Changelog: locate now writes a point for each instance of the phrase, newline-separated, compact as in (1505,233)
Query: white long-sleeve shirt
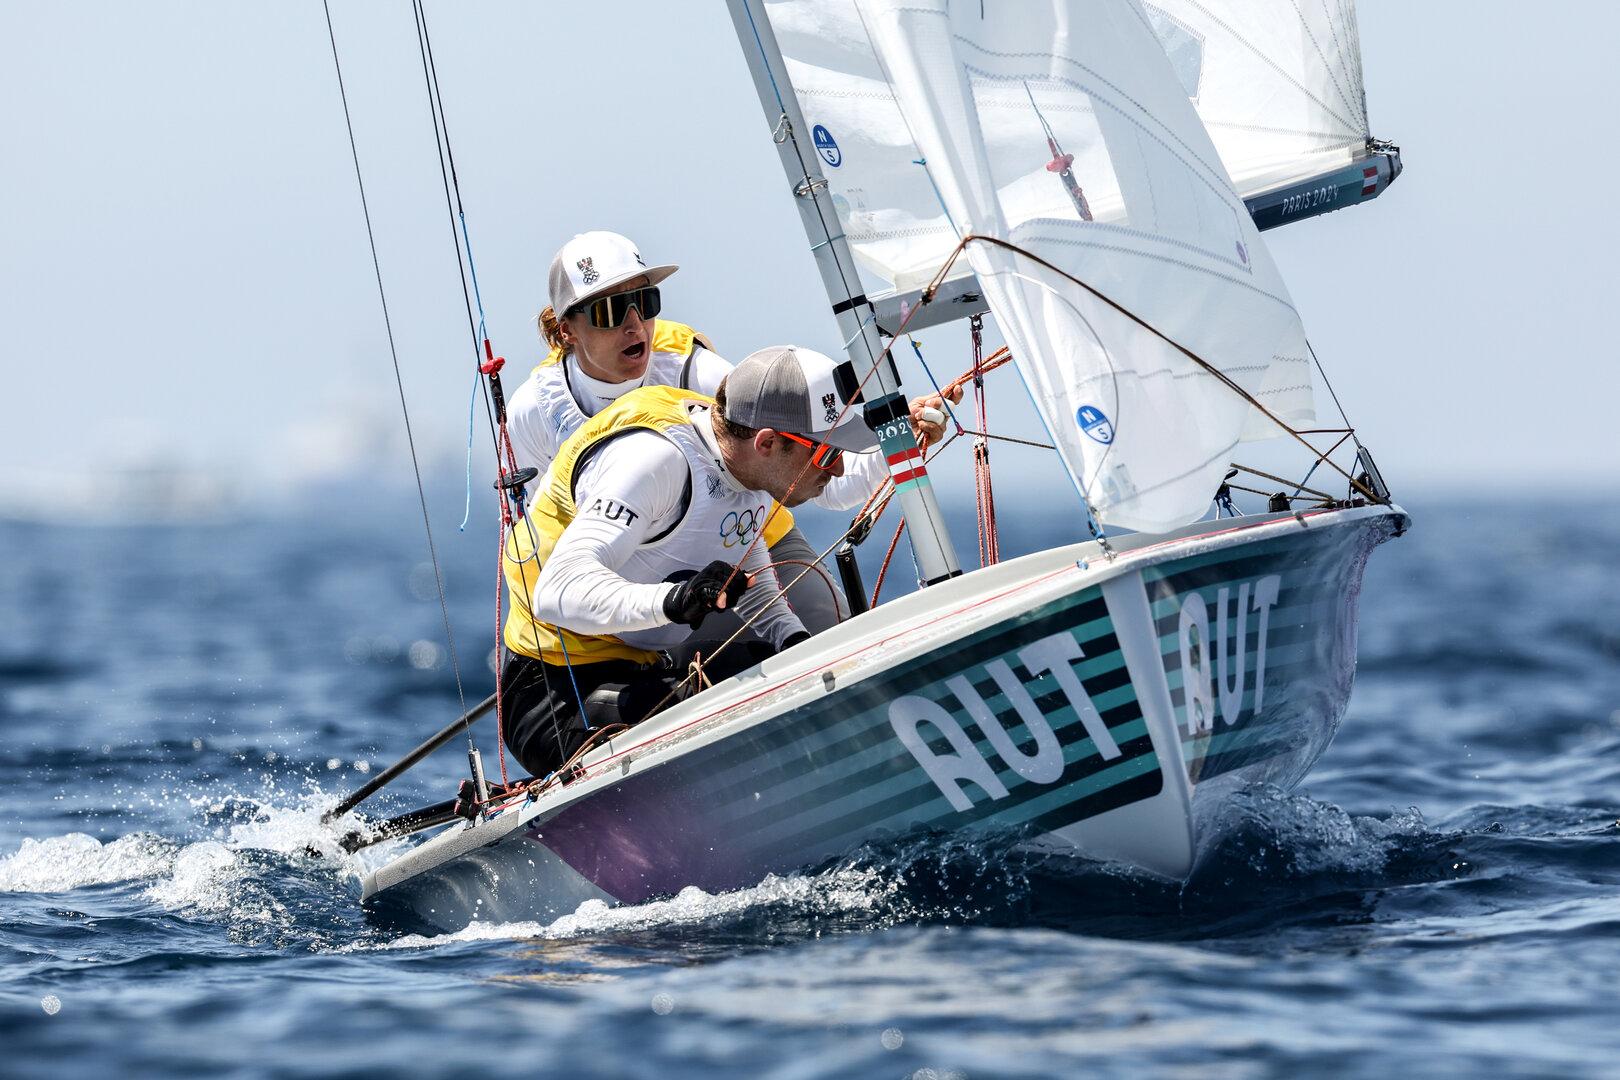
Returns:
(654,504)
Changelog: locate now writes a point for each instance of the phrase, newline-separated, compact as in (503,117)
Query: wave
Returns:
(1269,851)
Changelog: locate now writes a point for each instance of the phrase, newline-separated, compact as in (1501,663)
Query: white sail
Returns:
(1063,130)
(1276,82)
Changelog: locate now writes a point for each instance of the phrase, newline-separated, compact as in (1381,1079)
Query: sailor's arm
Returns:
(763,606)
(862,475)
(627,493)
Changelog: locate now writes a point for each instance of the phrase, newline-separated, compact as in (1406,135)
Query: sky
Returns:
(185,282)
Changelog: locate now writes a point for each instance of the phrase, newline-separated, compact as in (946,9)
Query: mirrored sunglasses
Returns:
(824,456)
(606,312)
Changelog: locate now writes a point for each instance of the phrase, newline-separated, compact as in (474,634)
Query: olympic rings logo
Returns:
(741,526)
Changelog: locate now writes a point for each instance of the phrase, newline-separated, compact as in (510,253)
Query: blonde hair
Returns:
(551,330)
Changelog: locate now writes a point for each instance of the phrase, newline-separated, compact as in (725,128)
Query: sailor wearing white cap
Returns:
(606,341)
(646,524)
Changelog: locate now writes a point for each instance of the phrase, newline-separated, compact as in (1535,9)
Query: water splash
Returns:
(843,892)
(61,864)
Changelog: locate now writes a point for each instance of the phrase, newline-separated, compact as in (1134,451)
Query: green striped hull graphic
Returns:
(819,780)
(1240,668)
(1307,641)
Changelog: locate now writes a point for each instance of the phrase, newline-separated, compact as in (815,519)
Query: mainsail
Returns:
(1062,130)
(1277,82)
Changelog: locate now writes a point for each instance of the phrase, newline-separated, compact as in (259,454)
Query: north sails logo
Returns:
(1094,422)
(587,271)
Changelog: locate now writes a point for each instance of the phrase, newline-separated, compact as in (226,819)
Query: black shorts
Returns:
(541,708)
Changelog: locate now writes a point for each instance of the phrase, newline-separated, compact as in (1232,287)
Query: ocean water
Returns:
(177,704)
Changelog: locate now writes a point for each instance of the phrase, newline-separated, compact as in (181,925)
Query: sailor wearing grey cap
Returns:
(648,522)
(605,341)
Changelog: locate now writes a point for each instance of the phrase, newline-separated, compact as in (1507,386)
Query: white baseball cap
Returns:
(594,263)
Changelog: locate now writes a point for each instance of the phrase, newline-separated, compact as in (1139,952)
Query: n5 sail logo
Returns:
(827,146)
(1094,422)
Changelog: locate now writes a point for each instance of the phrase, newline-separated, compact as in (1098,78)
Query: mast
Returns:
(889,414)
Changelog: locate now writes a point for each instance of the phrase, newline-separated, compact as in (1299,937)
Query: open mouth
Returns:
(636,351)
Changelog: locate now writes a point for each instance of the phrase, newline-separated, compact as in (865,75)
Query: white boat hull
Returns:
(1103,705)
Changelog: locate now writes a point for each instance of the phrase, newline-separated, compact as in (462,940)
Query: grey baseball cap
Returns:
(791,388)
(594,263)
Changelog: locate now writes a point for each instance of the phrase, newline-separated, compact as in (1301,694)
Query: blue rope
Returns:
(466,240)
(748,8)
(939,197)
(1307,479)
(472,401)
(483,335)
(578,697)
(943,400)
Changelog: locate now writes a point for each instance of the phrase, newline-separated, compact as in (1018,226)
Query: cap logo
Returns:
(587,271)
(830,404)
(639,263)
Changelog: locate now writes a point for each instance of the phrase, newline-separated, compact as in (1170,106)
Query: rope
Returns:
(826,577)
(883,571)
(484,359)
(984,493)
(1219,375)
(399,381)
(451,183)
(1280,480)
(917,348)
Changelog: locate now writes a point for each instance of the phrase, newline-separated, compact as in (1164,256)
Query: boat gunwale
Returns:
(457,840)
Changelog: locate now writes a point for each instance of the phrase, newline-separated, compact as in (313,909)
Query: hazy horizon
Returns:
(187,286)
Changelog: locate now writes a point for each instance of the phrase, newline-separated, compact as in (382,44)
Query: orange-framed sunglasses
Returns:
(823,456)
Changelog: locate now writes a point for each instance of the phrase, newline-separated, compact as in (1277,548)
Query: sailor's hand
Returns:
(928,416)
(714,588)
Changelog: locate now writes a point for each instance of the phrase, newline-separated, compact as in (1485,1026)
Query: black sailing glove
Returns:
(692,599)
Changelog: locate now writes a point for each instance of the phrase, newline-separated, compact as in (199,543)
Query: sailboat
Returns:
(1093,175)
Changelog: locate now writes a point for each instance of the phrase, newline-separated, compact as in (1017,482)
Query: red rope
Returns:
(877,588)
(504,442)
(989,542)
(826,577)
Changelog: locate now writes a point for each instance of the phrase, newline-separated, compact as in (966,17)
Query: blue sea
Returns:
(178,704)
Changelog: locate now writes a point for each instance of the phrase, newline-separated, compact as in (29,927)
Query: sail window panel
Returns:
(1147,217)
(891,216)
(1276,82)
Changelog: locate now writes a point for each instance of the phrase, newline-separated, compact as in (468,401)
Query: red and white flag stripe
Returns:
(1369,180)
(906,465)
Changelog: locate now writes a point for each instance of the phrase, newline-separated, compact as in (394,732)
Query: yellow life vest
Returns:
(679,340)
(552,509)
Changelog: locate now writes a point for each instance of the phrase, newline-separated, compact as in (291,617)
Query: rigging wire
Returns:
(452,195)
(485,362)
(1219,375)
(848,276)
(399,381)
